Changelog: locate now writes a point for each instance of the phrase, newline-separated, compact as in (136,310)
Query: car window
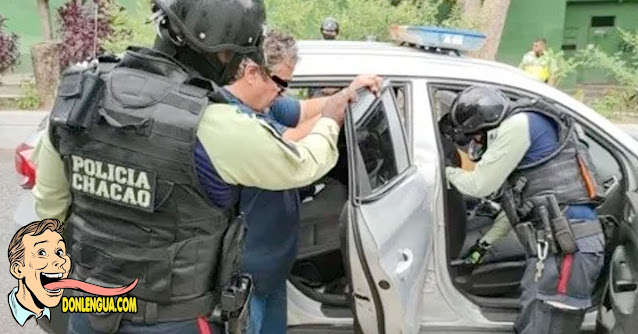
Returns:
(381,144)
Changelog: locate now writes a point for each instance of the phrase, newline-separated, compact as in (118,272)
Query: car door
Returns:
(620,312)
(389,221)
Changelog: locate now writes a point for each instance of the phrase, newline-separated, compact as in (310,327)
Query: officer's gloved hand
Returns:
(476,253)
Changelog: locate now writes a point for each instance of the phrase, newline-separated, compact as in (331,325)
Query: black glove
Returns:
(476,252)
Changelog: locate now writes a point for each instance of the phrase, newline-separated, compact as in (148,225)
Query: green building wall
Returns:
(566,24)
(527,20)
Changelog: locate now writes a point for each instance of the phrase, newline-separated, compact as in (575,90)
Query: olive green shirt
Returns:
(244,150)
(506,147)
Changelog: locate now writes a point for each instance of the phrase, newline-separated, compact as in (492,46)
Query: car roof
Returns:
(349,58)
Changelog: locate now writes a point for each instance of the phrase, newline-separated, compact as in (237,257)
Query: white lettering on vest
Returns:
(144,198)
(116,192)
(78,163)
(89,167)
(142,181)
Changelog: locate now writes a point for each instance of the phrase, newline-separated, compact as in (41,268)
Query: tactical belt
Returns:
(586,229)
(152,313)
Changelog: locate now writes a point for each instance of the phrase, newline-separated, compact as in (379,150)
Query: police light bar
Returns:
(438,38)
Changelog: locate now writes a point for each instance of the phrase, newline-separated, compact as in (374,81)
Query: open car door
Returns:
(389,220)
(619,312)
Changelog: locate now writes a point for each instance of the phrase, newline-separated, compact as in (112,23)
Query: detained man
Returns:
(273,216)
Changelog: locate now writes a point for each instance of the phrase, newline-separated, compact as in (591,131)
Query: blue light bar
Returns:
(435,37)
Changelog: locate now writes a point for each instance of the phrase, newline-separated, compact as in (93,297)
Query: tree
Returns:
(44,56)
(489,17)
(45,19)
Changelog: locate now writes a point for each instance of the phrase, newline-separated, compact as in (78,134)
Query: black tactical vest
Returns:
(127,133)
(561,173)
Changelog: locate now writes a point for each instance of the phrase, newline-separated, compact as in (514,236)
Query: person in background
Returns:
(329,28)
(537,64)
(273,216)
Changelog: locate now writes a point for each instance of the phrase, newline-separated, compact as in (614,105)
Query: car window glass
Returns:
(375,142)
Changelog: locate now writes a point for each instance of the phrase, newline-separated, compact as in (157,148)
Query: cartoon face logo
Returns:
(45,262)
(38,260)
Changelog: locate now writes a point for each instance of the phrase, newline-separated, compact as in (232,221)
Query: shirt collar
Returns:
(20,313)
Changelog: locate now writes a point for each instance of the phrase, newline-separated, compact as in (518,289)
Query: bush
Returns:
(8,48)
(129,27)
(84,24)
(358,19)
(624,67)
(29,99)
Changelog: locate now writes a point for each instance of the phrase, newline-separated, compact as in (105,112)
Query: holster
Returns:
(236,287)
(556,228)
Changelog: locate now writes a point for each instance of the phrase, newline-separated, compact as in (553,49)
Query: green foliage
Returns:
(560,65)
(624,67)
(358,19)
(129,27)
(29,99)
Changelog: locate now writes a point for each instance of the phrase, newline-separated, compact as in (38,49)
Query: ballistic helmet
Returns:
(479,108)
(194,32)
(330,24)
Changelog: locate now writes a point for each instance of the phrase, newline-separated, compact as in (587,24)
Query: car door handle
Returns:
(405,262)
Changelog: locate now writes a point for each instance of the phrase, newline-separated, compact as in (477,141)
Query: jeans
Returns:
(79,324)
(268,312)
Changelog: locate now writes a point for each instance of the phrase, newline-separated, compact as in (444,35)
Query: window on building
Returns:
(603,21)
(568,47)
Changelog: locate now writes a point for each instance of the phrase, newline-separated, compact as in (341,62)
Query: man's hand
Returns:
(372,82)
(336,106)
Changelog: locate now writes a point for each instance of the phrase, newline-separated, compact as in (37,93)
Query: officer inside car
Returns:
(144,160)
(536,157)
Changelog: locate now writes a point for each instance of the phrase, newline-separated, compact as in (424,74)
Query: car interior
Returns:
(319,271)
(494,284)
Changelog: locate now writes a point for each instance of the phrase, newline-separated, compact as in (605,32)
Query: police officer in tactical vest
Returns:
(144,161)
(535,154)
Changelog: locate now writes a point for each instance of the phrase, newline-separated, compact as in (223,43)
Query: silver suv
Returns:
(378,246)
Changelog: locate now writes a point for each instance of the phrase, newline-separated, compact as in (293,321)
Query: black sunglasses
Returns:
(281,83)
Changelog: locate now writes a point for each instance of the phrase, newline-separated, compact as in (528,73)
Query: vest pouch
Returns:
(563,235)
(78,98)
(526,233)
(122,121)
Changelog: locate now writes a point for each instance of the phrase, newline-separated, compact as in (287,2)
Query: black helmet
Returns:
(479,108)
(330,24)
(194,31)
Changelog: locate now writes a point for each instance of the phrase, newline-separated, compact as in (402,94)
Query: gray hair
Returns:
(278,47)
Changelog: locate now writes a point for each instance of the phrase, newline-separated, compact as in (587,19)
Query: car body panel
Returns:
(392,246)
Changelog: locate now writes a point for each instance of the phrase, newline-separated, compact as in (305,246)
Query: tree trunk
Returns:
(45,18)
(493,13)
(46,70)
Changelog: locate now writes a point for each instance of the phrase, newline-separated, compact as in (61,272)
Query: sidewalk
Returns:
(17,125)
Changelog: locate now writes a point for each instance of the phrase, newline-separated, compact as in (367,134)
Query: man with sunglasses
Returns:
(273,216)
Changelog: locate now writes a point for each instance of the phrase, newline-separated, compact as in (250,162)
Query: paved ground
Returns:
(9,191)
